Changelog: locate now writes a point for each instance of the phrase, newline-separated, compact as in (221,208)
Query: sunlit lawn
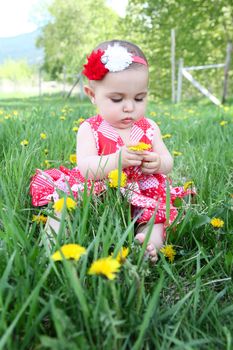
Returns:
(186,304)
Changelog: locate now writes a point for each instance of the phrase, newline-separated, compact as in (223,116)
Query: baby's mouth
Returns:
(127,119)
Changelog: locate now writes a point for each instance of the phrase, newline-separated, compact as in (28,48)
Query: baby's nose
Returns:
(128,106)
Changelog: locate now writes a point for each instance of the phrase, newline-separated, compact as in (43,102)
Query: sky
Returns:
(16,15)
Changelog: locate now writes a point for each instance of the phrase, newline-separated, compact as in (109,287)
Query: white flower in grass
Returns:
(116,58)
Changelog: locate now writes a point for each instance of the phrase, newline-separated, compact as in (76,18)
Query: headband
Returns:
(114,59)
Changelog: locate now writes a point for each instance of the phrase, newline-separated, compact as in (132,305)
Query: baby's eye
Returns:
(116,100)
(138,99)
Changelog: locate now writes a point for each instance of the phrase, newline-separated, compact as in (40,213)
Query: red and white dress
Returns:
(145,193)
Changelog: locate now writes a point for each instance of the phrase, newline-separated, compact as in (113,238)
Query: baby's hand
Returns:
(131,158)
(151,163)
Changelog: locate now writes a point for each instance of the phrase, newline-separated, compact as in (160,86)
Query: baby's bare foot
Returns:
(150,249)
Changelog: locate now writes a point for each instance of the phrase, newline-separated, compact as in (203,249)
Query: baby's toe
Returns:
(150,247)
(154,258)
(140,237)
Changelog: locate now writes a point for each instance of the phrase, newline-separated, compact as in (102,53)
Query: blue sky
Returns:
(16,16)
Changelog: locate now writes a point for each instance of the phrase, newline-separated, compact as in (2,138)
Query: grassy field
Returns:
(186,304)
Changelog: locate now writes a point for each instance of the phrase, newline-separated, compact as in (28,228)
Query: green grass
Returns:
(184,305)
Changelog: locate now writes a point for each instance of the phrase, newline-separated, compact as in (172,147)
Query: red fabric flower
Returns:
(95,69)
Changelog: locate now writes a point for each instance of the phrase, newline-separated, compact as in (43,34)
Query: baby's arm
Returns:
(160,160)
(93,166)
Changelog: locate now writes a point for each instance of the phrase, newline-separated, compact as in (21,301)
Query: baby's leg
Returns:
(51,228)
(155,241)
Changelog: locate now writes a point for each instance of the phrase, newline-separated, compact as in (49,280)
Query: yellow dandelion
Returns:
(39,219)
(177,153)
(75,129)
(24,143)
(122,255)
(15,113)
(46,151)
(80,120)
(141,146)
(69,251)
(43,136)
(47,163)
(73,158)
(188,184)
(7,116)
(114,178)
(69,203)
(166,136)
(223,123)
(62,117)
(1,111)
(169,252)
(217,223)
(152,114)
(107,267)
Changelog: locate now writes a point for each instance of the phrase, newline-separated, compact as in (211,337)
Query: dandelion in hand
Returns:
(169,252)
(69,251)
(114,178)
(69,203)
(217,223)
(141,146)
(107,267)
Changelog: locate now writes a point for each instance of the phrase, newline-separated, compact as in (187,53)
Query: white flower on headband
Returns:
(116,58)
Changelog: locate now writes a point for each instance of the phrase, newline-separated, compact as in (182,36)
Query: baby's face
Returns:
(121,96)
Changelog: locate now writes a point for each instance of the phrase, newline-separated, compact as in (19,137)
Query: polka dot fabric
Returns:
(145,193)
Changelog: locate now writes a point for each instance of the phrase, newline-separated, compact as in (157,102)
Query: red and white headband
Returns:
(114,59)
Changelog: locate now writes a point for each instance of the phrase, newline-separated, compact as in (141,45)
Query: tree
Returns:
(203,29)
(75,28)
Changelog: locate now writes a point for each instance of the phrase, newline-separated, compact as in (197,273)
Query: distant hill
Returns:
(21,47)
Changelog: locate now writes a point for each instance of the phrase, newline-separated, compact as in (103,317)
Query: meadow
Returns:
(184,304)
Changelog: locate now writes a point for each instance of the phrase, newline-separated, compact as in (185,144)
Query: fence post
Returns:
(226,71)
(179,83)
(173,67)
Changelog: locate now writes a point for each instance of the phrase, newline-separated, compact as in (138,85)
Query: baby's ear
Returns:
(89,92)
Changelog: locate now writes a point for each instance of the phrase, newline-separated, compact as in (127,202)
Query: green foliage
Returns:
(16,70)
(184,305)
(75,29)
(203,29)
